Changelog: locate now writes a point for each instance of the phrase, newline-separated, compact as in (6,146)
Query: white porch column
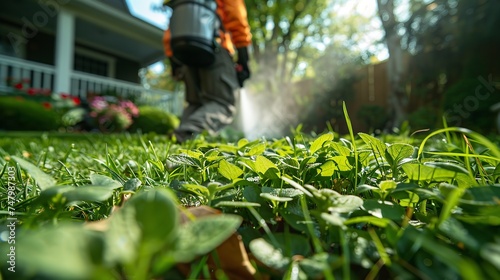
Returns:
(65,42)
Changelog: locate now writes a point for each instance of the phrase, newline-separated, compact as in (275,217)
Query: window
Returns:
(11,42)
(94,63)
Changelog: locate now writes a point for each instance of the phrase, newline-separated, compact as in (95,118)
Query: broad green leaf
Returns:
(406,187)
(242,142)
(196,189)
(377,146)
(315,266)
(43,180)
(491,253)
(395,153)
(485,220)
(266,168)
(132,184)
(70,246)
(248,163)
(420,172)
(88,194)
(467,268)
(105,181)
(72,194)
(387,185)
(297,186)
(327,169)
(184,160)
(384,209)
(290,162)
(448,166)
(282,192)
(407,198)
(453,195)
(229,170)
(345,204)
(242,204)
(340,149)
(275,198)
(295,219)
(320,141)
(122,237)
(291,244)
(364,157)
(257,149)
(365,188)
(457,232)
(225,148)
(203,235)
(333,219)
(483,203)
(191,153)
(485,195)
(213,155)
(342,163)
(329,194)
(157,216)
(251,194)
(268,254)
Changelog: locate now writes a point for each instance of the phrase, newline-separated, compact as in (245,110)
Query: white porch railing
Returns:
(35,75)
(41,76)
(83,84)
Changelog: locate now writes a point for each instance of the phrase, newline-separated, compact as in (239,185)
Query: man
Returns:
(210,90)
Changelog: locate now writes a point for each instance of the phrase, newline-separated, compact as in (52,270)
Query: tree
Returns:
(454,46)
(159,80)
(395,62)
(282,31)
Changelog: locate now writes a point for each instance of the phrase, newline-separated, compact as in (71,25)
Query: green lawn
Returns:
(305,207)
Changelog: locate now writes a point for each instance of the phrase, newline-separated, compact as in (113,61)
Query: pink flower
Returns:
(98,103)
(130,107)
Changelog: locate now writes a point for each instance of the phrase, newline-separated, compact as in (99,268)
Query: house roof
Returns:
(105,25)
(117,29)
(117,4)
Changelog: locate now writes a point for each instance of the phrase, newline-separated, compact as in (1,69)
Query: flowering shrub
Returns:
(60,102)
(110,115)
(104,113)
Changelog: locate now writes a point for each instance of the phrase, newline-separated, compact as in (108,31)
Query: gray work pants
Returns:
(210,94)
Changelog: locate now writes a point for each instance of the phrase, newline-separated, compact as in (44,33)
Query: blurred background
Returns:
(396,63)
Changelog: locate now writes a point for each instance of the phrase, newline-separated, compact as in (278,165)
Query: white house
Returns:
(79,46)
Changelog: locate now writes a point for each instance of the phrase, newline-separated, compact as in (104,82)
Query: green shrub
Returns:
(468,103)
(25,115)
(373,116)
(423,118)
(152,119)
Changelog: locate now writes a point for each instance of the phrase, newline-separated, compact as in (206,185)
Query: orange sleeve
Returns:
(235,21)
(166,43)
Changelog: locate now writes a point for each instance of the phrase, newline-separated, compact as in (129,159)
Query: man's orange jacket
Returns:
(233,14)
